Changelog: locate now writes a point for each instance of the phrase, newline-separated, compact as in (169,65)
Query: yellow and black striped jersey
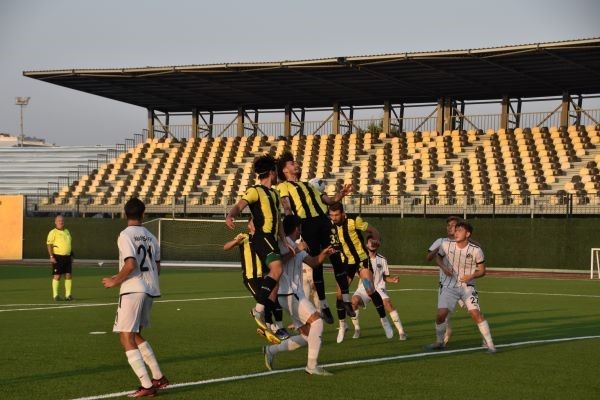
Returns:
(349,234)
(251,265)
(264,206)
(305,199)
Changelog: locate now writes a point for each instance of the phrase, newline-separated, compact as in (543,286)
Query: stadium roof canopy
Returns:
(533,70)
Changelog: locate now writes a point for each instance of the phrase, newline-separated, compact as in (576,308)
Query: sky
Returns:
(66,34)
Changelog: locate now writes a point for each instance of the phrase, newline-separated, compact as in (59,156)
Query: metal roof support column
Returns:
(448,115)
(195,123)
(564,110)
(255,124)
(504,112)
(400,117)
(287,122)
(517,114)
(444,115)
(336,118)
(240,122)
(578,110)
(461,117)
(150,123)
(167,122)
(386,117)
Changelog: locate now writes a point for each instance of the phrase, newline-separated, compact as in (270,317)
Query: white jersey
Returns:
(291,278)
(436,245)
(380,270)
(462,261)
(137,242)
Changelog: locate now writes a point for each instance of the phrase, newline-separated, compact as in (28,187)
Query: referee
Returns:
(61,257)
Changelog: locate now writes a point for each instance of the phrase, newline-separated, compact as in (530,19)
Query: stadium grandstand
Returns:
(27,170)
(449,161)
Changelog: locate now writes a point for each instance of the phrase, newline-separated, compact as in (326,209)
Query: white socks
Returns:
(291,344)
(355,320)
(396,320)
(136,361)
(484,328)
(150,359)
(440,331)
(314,342)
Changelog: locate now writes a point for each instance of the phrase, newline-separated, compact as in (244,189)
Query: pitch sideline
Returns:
(345,363)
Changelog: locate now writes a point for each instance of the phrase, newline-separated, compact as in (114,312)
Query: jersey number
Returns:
(142,249)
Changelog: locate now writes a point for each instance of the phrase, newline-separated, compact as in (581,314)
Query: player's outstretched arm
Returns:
(391,279)
(233,243)
(234,212)
(318,260)
(346,190)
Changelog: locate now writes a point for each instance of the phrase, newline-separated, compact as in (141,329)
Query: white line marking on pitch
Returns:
(55,307)
(515,293)
(339,364)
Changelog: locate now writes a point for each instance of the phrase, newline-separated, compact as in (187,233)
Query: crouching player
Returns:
(292,299)
(381,275)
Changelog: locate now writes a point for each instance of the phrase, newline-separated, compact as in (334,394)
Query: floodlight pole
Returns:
(22,102)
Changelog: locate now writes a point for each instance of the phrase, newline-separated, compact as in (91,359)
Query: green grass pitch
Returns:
(202,331)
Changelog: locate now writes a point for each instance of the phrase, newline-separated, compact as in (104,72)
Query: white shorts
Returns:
(300,309)
(448,297)
(133,312)
(307,280)
(364,296)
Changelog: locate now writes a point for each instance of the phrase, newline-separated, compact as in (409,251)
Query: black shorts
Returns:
(318,233)
(63,265)
(253,286)
(266,247)
(352,269)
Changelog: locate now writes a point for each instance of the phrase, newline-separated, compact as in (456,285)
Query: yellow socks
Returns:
(55,284)
(68,284)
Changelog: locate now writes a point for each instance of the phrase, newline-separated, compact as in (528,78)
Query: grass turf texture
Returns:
(50,353)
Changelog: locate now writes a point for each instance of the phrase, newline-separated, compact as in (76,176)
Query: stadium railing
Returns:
(374,125)
(558,204)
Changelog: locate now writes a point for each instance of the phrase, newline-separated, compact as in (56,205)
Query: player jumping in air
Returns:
(305,201)
(263,202)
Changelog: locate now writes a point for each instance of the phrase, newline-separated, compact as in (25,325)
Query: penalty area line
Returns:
(345,363)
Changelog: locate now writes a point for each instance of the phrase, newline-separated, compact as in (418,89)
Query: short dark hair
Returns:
(263,165)
(370,237)
(290,223)
(468,227)
(453,218)
(337,207)
(281,161)
(134,209)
